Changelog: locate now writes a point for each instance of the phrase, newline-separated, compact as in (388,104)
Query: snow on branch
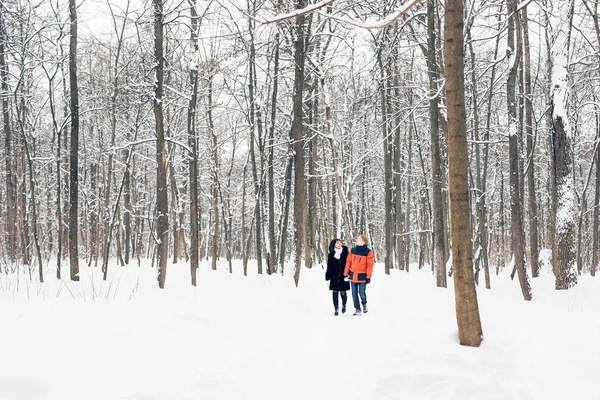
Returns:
(390,19)
(285,16)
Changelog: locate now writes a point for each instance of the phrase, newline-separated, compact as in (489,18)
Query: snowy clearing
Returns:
(259,337)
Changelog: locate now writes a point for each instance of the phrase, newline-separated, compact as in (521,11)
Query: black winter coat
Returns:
(335,269)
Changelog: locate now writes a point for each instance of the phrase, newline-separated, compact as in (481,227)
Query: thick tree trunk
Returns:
(298,141)
(530,171)
(162,203)
(467,310)
(439,242)
(193,143)
(595,234)
(270,162)
(74,148)
(11,209)
(399,245)
(406,241)
(516,207)
(563,251)
(388,183)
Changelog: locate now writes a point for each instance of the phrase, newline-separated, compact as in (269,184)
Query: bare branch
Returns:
(387,21)
(282,17)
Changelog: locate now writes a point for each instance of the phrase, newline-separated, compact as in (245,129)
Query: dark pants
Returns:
(359,288)
(335,298)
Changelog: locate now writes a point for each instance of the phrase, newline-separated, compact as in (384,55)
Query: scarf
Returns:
(337,253)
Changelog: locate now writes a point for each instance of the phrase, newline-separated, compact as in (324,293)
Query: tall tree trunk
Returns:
(439,243)
(162,202)
(271,159)
(596,228)
(406,242)
(467,309)
(530,171)
(193,143)
(11,209)
(515,183)
(396,177)
(215,172)
(388,228)
(255,176)
(74,148)
(488,127)
(563,252)
(298,140)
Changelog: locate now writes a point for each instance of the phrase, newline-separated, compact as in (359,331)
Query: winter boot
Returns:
(365,310)
(344,309)
(357,313)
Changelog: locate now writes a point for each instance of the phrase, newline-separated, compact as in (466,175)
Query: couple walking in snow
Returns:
(345,269)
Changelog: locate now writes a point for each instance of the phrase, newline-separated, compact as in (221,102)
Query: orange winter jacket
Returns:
(359,264)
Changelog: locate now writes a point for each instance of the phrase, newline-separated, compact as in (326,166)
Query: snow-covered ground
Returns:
(259,337)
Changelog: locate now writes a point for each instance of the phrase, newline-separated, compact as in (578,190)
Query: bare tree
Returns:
(74,148)
(467,309)
(298,138)
(516,207)
(563,252)
(193,142)
(162,204)
(439,243)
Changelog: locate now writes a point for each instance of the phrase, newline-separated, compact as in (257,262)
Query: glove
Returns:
(368,280)
(346,278)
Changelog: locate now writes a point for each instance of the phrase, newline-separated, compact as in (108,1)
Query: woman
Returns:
(336,261)
(359,267)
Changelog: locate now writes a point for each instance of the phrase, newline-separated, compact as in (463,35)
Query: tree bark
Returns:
(388,183)
(595,234)
(162,203)
(11,209)
(563,251)
(193,143)
(467,310)
(515,183)
(252,118)
(530,170)
(298,141)
(74,148)
(439,243)
(271,158)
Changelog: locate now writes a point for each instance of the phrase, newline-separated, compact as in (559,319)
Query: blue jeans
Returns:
(359,288)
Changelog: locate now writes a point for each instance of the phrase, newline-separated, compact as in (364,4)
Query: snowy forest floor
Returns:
(259,337)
